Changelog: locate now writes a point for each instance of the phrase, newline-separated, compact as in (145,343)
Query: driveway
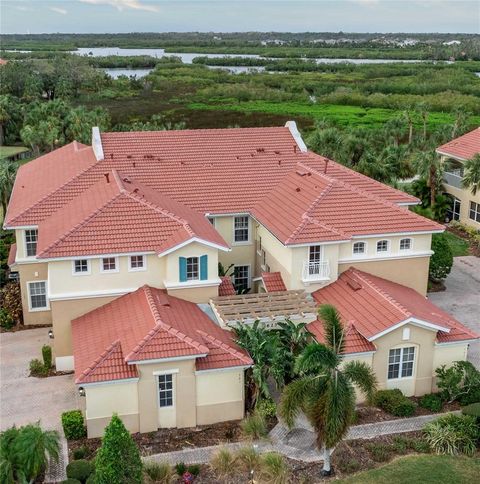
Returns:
(25,399)
(462,298)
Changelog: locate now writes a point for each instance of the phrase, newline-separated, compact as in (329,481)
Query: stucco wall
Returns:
(31,273)
(409,272)
(423,340)
(366,358)
(465,197)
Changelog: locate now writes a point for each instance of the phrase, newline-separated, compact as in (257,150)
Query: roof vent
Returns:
(354,284)
(326,165)
(294,148)
(129,156)
(127,180)
(260,150)
(302,172)
(107,177)
(297,189)
(162,299)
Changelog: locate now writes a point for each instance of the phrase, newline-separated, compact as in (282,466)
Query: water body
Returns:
(121,71)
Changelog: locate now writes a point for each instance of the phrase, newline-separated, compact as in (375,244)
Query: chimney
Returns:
(107,177)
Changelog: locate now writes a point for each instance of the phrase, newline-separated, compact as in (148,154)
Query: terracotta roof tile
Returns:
(226,287)
(143,325)
(463,147)
(273,281)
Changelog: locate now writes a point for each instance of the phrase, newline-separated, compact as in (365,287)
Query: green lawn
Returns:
(458,245)
(421,469)
(6,151)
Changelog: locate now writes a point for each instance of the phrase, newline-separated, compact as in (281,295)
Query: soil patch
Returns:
(23,327)
(436,286)
(473,249)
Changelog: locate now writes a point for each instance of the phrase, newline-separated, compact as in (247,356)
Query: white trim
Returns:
(64,363)
(108,382)
(249,228)
(333,242)
(406,255)
(415,322)
(395,234)
(28,260)
(363,353)
(455,157)
(194,239)
(84,295)
(166,372)
(292,127)
(360,254)
(173,390)
(87,273)
(137,269)
(37,310)
(249,274)
(405,251)
(20,227)
(193,283)
(97,143)
(389,246)
(453,343)
(166,360)
(402,347)
(222,370)
(407,204)
(26,256)
(99,256)
(110,271)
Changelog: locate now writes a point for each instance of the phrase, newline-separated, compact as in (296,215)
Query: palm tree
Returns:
(428,166)
(471,177)
(8,170)
(324,390)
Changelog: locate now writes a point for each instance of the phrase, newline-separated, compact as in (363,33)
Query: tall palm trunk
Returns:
(327,466)
(433,185)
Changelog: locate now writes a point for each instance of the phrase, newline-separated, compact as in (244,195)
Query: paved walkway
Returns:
(298,443)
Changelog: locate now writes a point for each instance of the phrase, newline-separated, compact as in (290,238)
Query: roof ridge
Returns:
(380,291)
(81,223)
(193,130)
(225,346)
(63,185)
(101,358)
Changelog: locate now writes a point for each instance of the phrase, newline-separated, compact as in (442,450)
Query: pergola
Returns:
(270,308)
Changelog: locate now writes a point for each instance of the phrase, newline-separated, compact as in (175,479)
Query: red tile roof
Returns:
(226,287)
(273,281)
(463,147)
(117,215)
(322,208)
(12,253)
(144,325)
(374,305)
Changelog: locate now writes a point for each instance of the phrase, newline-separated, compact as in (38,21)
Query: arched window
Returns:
(382,246)
(405,244)
(359,248)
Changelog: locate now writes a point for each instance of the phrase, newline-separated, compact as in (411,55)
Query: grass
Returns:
(458,245)
(6,151)
(427,469)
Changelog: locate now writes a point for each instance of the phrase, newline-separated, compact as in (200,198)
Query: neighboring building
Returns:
(465,206)
(159,211)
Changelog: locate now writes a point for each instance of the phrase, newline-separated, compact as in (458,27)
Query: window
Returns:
(259,246)
(81,266)
(400,362)
(315,253)
(453,211)
(31,237)
(192,268)
(264,258)
(405,244)
(38,295)
(359,248)
(241,278)
(382,246)
(475,211)
(109,264)
(211,220)
(137,262)
(165,390)
(241,232)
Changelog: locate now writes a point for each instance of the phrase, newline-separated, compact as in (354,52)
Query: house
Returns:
(118,246)
(465,205)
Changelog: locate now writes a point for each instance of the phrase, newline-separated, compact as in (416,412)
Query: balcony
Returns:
(315,271)
(453,177)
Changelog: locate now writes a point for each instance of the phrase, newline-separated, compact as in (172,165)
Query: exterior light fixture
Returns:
(50,334)
(81,391)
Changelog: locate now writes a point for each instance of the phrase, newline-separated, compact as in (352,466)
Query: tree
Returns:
(327,142)
(324,390)
(8,170)
(118,459)
(471,177)
(26,451)
(428,166)
(442,259)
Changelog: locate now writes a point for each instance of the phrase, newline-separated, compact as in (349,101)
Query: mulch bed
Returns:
(52,372)
(23,327)
(436,286)
(366,415)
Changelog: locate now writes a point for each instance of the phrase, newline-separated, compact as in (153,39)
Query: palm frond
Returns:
(295,398)
(334,333)
(316,358)
(363,376)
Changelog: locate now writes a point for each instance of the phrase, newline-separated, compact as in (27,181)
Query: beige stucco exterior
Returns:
(465,196)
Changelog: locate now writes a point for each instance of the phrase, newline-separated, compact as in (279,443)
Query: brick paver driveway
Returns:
(25,399)
(462,298)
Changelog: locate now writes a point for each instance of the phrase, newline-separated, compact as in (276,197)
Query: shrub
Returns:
(432,402)
(394,402)
(160,472)
(379,452)
(459,382)
(79,469)
(267,408)
(180,468)
(118,459)
(442,259)
(71,481)
(248,458)
(453,434)
(11,300)
(6,320)
(348,466)
(473,409)
(274,469)
(47,356)
(420,445)
(80,452)
(73,425)
(91,478)
(37,368)
(404,408)
(194,469)
(222,462)
(254,426)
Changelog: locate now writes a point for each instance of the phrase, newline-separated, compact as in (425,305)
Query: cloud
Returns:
(120,5)
(59,10)
(23,9)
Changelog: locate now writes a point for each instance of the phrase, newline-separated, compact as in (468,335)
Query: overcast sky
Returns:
(96,16)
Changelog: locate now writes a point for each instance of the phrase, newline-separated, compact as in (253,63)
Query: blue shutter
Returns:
(204,267)
(182,268)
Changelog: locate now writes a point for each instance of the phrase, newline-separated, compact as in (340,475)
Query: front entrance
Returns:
(166,400)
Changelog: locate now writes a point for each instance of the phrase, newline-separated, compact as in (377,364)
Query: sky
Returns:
(109,16)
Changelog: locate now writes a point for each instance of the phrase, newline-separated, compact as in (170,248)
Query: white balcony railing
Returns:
(316,271)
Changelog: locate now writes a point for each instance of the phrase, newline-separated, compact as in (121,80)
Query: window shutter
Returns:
(182,270)
(204,267)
